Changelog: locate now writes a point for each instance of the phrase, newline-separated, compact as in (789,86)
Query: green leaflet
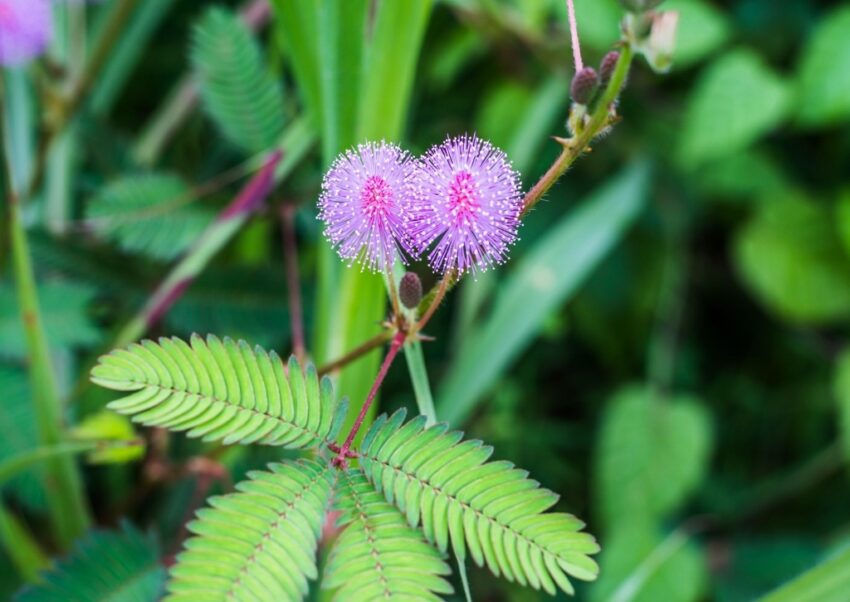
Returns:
(240,95)
(106,566)
(378,555)
(827,582)
(259,543)
(824,75)
(221,390)
(489,508)
(148,213)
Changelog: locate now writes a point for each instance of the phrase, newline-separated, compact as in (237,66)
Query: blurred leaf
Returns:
(18,434)
(64,311)
(736,100)
(18,133)
(748,175)
(827,582)
(679,575)
(239,93)
(702,30)
(841,386)
(498,110)
(108,426)
(652,454)
(148,213)
(824,73)
(105,566)
(599,22)
(790,256)
(546,276)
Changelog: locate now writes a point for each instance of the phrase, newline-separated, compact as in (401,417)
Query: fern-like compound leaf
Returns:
(259,543)
(239,92)
(490,509)
(378,556)
(222,391)
(106,566)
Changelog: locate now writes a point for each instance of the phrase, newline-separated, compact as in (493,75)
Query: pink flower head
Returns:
(468,202)
(25,30)
(365,202)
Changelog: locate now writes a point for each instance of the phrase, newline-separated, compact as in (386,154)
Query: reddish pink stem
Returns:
(345,451)
(571,13)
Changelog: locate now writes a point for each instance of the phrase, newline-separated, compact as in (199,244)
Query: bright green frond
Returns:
(239,92)
(489,508)
(221,390)
(106,566)
(378,555)
(259,543)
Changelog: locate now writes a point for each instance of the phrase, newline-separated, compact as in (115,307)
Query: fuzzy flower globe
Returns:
(467,205)
(25,30)
(365,203)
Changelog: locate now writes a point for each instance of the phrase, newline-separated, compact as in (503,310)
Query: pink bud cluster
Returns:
(459,205)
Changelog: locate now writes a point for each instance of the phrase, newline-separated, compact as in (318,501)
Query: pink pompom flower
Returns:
(26,27)
(467,205)
(365,201)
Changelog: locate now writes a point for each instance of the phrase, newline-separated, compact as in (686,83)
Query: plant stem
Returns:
(356,353)
(395,346)
(435,303)
(571,14)
(23,549)
(293,282)
(419,378)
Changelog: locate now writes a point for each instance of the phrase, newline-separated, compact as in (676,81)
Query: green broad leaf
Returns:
(823,78)
(17,435)
(488,510)
(702,29)
(652,455)
(64,309)
(552,270)
(841,386)
(378,555)
(239,93)
(153,214)
(106,566)
(748,175)
(259,543)
(736,101)
(641,564)
(221,391)
(827,582)
(600,22)
(790,256)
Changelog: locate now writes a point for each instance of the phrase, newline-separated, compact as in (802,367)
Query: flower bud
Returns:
(607,67)
(410,290)
(662,40)
(584,85)
(640,6)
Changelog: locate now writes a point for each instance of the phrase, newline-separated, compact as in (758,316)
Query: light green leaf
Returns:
(652,455)
(790,257)
(238,91)
(841,386)
(148,213)
(599,21)
(107,566)
(552,270)
(824,75)
(702,29)
(827,582)
(736,100)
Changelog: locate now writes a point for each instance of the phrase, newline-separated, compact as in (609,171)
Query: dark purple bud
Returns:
(584,85)
(607,67)
(410,290)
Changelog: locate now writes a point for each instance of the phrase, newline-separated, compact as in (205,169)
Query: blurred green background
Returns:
(666,347)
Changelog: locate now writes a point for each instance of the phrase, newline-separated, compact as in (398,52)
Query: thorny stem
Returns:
(356,353)
(571,13)
(293,283)
(344,452)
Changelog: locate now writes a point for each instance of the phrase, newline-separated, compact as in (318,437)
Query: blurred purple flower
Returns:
(365,202)
(25,29)
(468,202)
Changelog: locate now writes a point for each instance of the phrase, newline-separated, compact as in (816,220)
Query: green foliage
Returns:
(652,454)
(259,543)
(64,309)
(824,74)
(378,555)
(106,566)
(790,256)
(827,582)
(148,213)
(540,283)
(736,101)
(841,385)
(221,391)
(239,94)
(488,508)
(18,434)
(702,29)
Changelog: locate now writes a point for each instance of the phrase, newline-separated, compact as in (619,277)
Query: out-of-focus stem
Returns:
(293,281)
(356,353)
(435,303)
(23,550)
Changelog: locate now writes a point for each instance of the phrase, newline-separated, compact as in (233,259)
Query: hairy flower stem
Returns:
(293,282)
(571,14)
(356,353)
(435,303)
(344,452)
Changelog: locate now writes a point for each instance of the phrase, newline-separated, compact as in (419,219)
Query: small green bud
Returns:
(640,6)
(584,85)
(607,67)
(410,290)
